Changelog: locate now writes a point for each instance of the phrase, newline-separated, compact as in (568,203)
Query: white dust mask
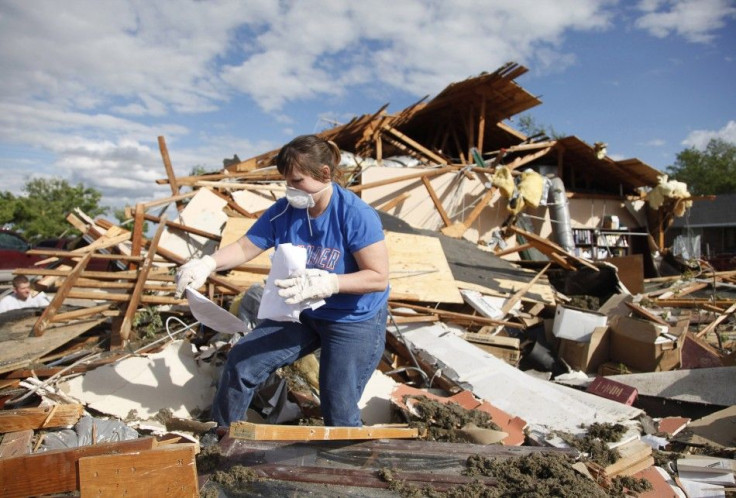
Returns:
(300,199)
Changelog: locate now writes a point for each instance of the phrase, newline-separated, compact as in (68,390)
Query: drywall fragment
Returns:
(139,386)
(544,405)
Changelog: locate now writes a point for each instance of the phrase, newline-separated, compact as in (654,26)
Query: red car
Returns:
(13,255)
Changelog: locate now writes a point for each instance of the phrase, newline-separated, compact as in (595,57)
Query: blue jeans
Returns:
(350,352)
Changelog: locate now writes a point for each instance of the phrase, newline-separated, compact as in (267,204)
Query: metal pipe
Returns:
(560,214)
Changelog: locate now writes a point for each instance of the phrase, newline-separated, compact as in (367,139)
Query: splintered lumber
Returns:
(457,229)
(120,336)
(61,294)
(645,313)
(552,250)
(39,418)
(511,302)
(694,303)
(413,176)
(454,316)
(169,170)
(55,471)
(712,325)
(436,200)
(166,471)
(270,432)
(416,145)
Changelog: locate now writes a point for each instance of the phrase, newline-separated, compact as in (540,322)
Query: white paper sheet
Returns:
(212,315)
(286,260)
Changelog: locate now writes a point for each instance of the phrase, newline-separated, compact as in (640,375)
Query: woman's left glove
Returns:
(312,284)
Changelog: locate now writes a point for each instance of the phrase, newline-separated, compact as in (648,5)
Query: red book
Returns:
(607,388)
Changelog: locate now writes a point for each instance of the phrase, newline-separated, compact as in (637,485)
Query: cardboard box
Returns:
(645,346)
(586,356)
(504,347)
(576,324)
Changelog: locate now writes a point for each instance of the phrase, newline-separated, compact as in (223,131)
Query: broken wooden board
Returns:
(418,269)
(55,471)
(271,432)
(19,353)
(39,418)
(167,471)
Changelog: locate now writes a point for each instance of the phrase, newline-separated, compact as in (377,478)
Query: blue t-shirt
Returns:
(346,226)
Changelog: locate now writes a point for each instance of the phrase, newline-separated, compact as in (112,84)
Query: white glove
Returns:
(312,284)
(194,273)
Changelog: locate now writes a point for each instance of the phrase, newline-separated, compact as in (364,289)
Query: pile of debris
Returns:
(531,321)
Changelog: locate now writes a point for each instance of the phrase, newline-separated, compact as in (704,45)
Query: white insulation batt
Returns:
(544,405)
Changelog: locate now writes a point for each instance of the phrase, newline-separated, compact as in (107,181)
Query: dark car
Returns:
(13,255)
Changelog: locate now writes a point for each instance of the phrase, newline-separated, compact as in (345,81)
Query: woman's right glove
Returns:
(194,273)
(311,284)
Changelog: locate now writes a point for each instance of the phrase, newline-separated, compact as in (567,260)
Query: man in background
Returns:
(21,296)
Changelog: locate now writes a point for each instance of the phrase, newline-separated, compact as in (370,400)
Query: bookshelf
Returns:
(599,243)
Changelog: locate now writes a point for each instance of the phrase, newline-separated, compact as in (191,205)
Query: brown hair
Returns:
(308,153)
(20,279)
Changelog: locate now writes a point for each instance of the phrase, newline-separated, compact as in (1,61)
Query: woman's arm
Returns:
(195,272)
(372,275)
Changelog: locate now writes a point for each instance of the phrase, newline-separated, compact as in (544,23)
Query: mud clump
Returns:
(209,458)
(445,421)
(235,480)
(594,442)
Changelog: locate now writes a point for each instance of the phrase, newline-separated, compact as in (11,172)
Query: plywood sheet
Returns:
(418,269)
(18,353)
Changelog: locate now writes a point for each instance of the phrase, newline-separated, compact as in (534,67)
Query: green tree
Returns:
(531,128)
(42,212)
(710,171)
(8,206)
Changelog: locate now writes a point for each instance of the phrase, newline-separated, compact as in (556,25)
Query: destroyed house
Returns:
(487,231)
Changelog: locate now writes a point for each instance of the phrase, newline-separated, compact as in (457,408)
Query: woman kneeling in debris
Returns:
(347,266)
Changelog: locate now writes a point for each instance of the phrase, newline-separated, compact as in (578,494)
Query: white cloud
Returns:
(695,20)
(700,138)
(94,84)
(417,46)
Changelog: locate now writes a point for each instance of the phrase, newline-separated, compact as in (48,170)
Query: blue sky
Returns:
(88,86)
